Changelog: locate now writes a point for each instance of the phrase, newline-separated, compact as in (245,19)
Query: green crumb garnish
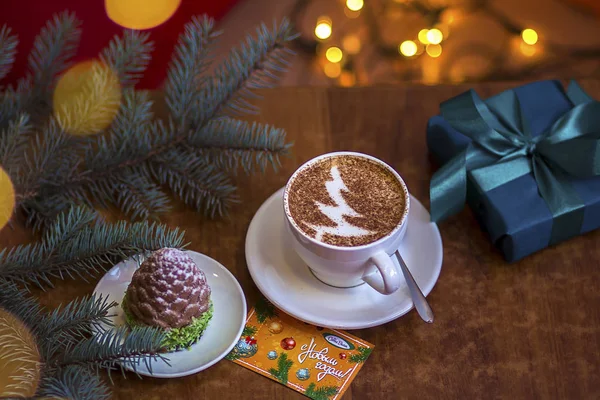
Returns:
(177,338)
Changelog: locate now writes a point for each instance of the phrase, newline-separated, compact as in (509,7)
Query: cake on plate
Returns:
(170,292)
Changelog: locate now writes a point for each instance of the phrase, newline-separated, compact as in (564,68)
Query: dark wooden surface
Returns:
(529,330)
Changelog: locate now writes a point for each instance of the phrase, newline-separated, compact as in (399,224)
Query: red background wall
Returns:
(26,18)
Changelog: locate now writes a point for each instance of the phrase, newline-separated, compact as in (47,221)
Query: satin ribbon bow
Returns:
(502,149)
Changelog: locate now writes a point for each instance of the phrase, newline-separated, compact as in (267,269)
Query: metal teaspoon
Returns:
(415,292)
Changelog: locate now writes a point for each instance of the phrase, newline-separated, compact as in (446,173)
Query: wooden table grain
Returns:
(529,330)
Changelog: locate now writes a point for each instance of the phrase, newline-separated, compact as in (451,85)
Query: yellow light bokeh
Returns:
(529,36)
(408,48)
(20,361)
(435,36)
(351,44)
(87,98)
(355,5)
(351,14)
(422,36)
(332,70)
(452,15)
(347,79)
(334,54)
(527,50)
(434,50)
(140,14)
(7,198)
(323,28)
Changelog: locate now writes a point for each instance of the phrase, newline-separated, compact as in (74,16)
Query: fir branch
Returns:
(249,330)
(199,184)
(362,356)
(17,348)
(8,50)
(264,309)
(283,368)
(78,319)
(258,63)
(191,59)
(128,56)
(84,251)
(55,45)
(120,347)
(139,197)
(230,144)
(12,144)
(130,124)
(94,106)
(320,393)
(74,382)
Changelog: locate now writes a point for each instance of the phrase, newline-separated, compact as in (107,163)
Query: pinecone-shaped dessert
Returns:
(170,292)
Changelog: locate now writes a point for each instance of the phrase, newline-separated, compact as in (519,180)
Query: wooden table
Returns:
(523,331)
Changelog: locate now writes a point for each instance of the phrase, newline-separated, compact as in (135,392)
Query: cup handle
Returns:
(389,272)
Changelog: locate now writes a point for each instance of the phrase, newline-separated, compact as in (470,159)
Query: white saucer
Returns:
(286,281)
(219,338)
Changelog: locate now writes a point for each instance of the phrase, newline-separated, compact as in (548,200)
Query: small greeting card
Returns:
(317,362)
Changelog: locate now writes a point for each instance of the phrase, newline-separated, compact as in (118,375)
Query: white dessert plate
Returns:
(219,338)
(286,281)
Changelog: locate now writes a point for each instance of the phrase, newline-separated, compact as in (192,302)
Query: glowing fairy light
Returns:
(140,14)
(87,98)
(7,198)
(323,28)
(529,36)
(527,50)
(334,54)
(347,79)
(408,48)
(422,36)
(434,50)
(332,70)
(355,5)
(351,44)
(435,36)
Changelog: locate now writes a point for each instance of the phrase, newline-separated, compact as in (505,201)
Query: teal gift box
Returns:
(527,161)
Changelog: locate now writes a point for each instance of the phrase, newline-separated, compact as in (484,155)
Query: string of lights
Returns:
(338,44)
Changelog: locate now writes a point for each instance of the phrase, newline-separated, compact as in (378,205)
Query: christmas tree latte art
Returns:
(346,200)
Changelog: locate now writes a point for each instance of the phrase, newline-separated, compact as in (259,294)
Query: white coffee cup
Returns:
(345,267)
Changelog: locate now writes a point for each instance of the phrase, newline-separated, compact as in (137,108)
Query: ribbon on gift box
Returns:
(502,149)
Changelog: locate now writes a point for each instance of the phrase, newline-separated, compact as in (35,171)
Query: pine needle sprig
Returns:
(8,50)
(74,382)
(283,368)
(128,56)
(190,61)
(231,144)
(13,142)
(122,347)
(53,48)
(78,319)
(79,246)
(256,64)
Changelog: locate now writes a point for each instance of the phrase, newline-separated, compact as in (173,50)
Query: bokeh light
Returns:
(7,198)
(527,49)
(351,44)
(355,5)
(87,98)
(435,36)
(332,70)
(20,362)
(434,50)
(140,14)
(408,48)
(347,79)
(422,36)
(351,14)
(334,54)
(323,28)
(529,36)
